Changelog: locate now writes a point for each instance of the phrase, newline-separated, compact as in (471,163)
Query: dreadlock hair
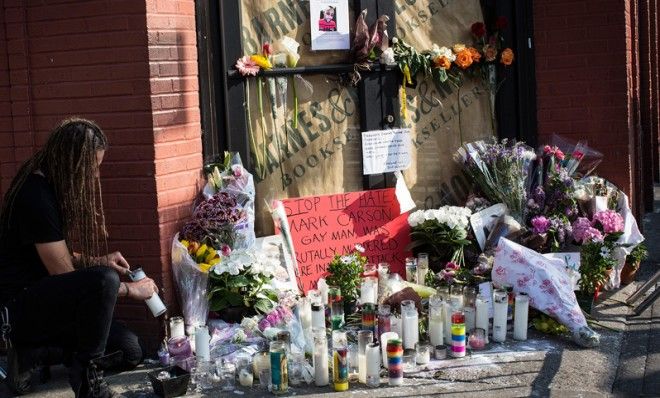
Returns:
(69,163)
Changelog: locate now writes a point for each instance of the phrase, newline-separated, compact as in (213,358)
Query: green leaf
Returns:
(218,304)
(238,281)
(263,305)
(234,298)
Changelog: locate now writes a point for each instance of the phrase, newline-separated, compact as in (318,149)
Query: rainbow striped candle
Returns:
(458,334)
(395,361)
(369,317)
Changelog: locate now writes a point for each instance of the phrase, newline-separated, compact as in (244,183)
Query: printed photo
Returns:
(328,19)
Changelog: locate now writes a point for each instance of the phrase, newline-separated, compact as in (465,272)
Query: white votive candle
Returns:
(500,308)
(446,315)
(177,327)
(520,317)
(482,315)
(245,378)
(373,365)
(410,321)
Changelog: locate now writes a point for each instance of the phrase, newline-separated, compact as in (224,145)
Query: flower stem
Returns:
(260,96)
(295,104)
(253,143)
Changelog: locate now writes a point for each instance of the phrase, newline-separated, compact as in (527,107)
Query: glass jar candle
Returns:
(369,318)
(177,327)
(443,291)
(369,290)
(409,361)
(520,319)
(339,360)
(482,316)
(383,276)
(320,358)
(456,297)
(279,379)
(477,339)
(436,326)
(422,268)
(423,354)
(458,334)
(337,315)
(411,269)
(395,362)
(384,313)
(318,315)
(365,337)
(410,320)
(373,364)
(500,306)
(244,369)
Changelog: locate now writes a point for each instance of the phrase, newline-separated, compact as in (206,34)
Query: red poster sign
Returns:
(324,225)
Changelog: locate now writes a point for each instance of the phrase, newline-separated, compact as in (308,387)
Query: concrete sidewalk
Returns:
(627,363)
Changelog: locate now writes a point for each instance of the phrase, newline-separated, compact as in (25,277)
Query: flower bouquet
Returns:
(242,280)
(443,233)
(501,172)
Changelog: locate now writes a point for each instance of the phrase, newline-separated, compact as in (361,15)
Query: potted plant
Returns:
(344,272)
(633,260)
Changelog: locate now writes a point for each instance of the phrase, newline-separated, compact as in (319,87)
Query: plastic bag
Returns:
(547,284)
(191,284)
(579,158)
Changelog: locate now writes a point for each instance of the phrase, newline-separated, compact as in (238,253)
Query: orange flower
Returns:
(507,57)
(464,59)
(490,52)
(442,62)
(476,56)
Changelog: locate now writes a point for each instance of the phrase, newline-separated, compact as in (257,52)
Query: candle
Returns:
(368,290)
(384,338)
(320,358)
(314,296)
(422,267)
(305,312)
(395,324)
(411,269)
(337,315)
(365,337)
(383,275)
(179,347)
(436,323)
(446,317)
(202,339)
(373,365)
(456,298)
(443,291)
(440,351)
(500,303)
(410,321)
(369,318)
(395,362)
(520,319)
(384,315)
(339,360)
(477,339)
(458,334)
(470,318)
(323,290)
(279,380)
(370,270)
(318,316)
(177,328)
(482,316)
(423,354)
(245,377)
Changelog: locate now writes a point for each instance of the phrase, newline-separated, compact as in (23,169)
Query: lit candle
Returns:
(501,304)
(520,319)
(320,359)
(458,334)
(446,316)
(177,328)
(202,339)
(373,365)
(395,362)
(436,323)
(368,290)
(482,316)
(384,338)
(410,321)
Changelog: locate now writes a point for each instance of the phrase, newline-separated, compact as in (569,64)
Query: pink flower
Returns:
(237,170)
(592,235)
(540,224)
(451,266)
(609,220)
(547,150)
(274,318)
(267,49)
(578,155)
(225,250)
(264,324)
(247,67)
(580,226)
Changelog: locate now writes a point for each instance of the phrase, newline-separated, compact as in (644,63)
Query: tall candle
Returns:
(373,365)
(436,322)
(395,362)
(337,315)
(395,325)
(411,269)
(410,321)
(323,290)
(520,318)
(482,316)
(384,338)
(177,328)
(369,318)
(279,377)
(422,268)
(470,318)
(202,339)
(500,305)
(384,314)
(456,297)
(365,337)
(458,334)
(368,290)
(320,359)
(383,276)
(446,315)
(305,312)
(339,360)
(318,316)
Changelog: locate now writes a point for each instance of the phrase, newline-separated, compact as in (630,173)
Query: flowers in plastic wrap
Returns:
(547,284)
(443,233)
(501,171)
(280,319)
(243,279)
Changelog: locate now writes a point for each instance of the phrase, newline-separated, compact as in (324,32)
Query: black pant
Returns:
(73,311)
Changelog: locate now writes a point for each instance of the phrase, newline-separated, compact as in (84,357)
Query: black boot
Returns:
(86,378)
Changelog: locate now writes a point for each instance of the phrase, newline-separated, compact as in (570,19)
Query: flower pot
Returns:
(585,301)
(628,272)
(234,314)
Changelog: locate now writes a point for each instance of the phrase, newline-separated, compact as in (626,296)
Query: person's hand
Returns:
(115,261)
(142,289)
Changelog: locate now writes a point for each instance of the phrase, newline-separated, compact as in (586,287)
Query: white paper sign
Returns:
(330,25)
(273,247)
(385,151)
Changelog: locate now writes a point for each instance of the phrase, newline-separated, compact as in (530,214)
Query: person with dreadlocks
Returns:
(51,296)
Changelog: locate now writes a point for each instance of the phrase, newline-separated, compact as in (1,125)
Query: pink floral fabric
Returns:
(543,279)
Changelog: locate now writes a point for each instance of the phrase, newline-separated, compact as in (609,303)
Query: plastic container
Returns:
(175,386)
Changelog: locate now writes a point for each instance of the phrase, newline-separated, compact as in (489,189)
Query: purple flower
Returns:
(609,220)
(592,235)
(580,226)
(540,224)
(274,318)
(264,324)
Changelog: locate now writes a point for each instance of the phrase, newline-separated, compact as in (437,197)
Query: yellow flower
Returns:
(204,267)
(458,48)
(184,242)
(464,59)
(262,61)
(507,57)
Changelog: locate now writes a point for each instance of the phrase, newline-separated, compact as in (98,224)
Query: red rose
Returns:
(267,49)
(478,30)
(501,23)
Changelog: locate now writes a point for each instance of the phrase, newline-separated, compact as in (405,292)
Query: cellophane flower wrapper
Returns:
(579,159)
(191,284)
(229,340)
(544,280)
(283,319)
(239,183)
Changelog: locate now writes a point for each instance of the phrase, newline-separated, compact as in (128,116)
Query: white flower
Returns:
(239,337)
(416,218)
(604,251)
(447,53)
(387,57)
(395,40)
(250,323)
(359,248)
(429,214)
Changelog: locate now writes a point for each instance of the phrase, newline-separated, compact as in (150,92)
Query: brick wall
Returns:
(583,72)
(129,65)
